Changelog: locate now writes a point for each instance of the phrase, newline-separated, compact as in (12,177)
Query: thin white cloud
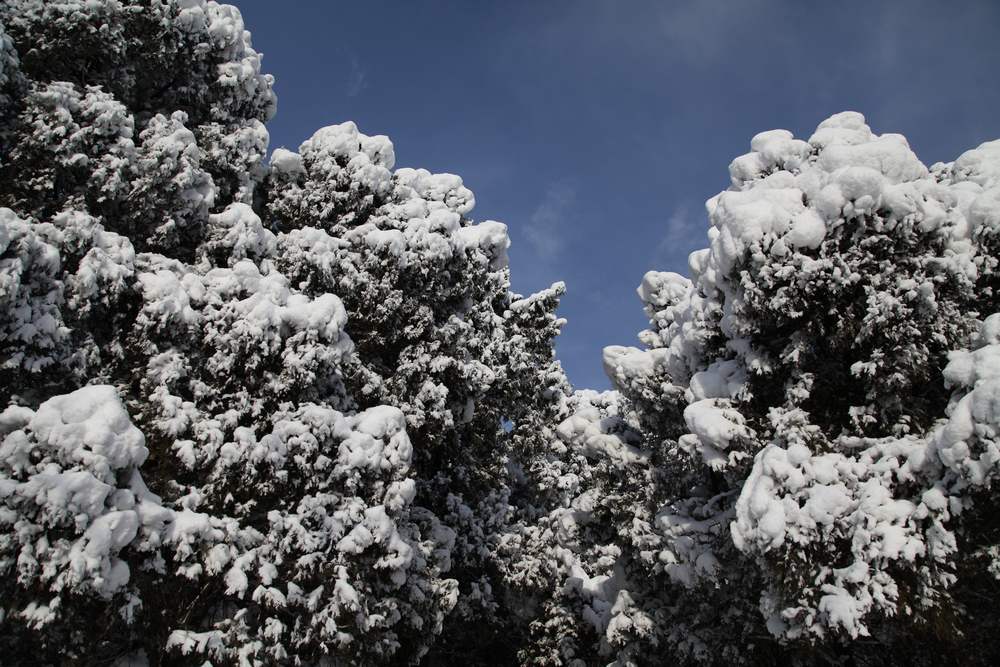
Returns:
(701,30)
(546,232)
(684,232)
(356,79)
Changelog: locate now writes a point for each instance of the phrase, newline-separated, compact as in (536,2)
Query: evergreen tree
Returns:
(253,410)
(790,400)
(288,411)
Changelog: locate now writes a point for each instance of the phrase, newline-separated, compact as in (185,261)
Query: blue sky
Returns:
(596,130)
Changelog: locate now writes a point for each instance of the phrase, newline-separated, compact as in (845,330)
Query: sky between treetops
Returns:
(597,130)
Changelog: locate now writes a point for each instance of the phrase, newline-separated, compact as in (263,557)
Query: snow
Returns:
(722,379)
(490,237)
(154,259)
(662,288)
(981,165)
(263,302)
(769,150)
(31,324)
(846,128)
(794,495)
(965,444)
(286,162)
(713,423)
(61,468)
(169,297)
(377,440)
(630,362)
(240,232)
(446,189)
(587,433)
(90,427)
(889,155)
(335,144)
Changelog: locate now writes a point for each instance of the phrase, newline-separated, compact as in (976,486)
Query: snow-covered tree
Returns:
(288,411)
(797,465)
(252,411)
(437,332)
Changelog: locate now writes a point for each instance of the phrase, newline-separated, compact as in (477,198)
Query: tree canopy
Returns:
(285,408)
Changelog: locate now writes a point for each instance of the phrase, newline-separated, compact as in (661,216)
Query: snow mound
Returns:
(65,511)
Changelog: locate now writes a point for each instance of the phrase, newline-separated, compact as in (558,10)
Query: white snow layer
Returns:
(72,496)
